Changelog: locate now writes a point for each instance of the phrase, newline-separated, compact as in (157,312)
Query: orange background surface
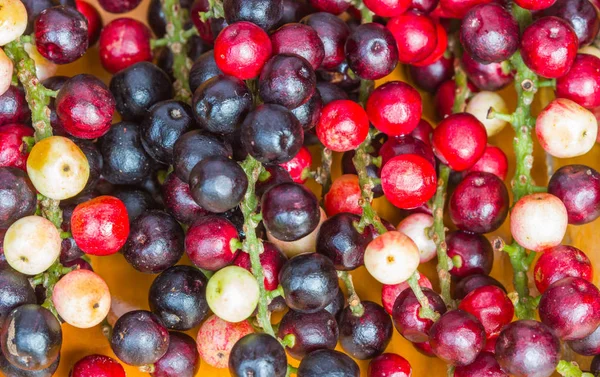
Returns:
(129,288)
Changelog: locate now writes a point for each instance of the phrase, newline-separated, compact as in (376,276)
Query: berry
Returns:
(392,258)
(302,245)
(271,259)
(459,8)
(493,161)
(371,51)
(301,40)
(298,166)
(259,355)
(264,13)
(328,363)
(468,284)
(389,293)
(178,200)
(415,34)
(217,337)
(13,106)
(119,6)
(340,241)
(193,147)
(577,187)
(124,42)
(491,306)
(535,4)
(561,262)
(457,338)
(416,227)
(490,77)
(209,242)
(366,336)
(181,358)
(471,253)
(429,77)
(386,8)
(333,33)
(479,105)
(485,365)
(331,6)
(287,80)
(395,108)
(232,293)
(389,365)
(582,83)
(344,196)
(311,332)
(343,126)
(61,34)
(203,69)
(94,21)
(408,181)
(580,14)
(18,196)
(97,366)
(459,141)
(309,113)
(409,144)
(14,16)
(15,291)
(588,346)
(6,71)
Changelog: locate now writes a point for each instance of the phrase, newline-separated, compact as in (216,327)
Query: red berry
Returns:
(100,226)
(440,47)
(389,365)
(209,242)
(330,6)
(423,132)
(471,253)
(388,8)
(119,6)
(13,106)
(549,46)
(416,36)
(459,141)
(535,4)
(242,49)
(344,196)
(395,108)
(343,126)
(299,166)
(301,40)
(408,181)
(491,306)
(13,148)
(459,8)
(560,262)
(124,42)
(93,18)
(493,161)
(484,365)
(445,96)
(271,259)
(397,146)
(492,76)
(61,34)
(405,314)
(582,83)
(457,338)
(97,366)
(389,293)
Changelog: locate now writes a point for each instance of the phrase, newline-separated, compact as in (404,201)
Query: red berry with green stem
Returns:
(97,366)
(389,293)
(491,306)
(343,126)
(389,365)
(271,259)
(344,196)
(408,181)
(124,42)
(299,166)
(409,144)
(395,108)
(210,243)
(484,365)
(457,337)
(415,34)
(560,262)
(578,187)
(582,83)
(14,148)
(407,320)
(459,141)
(242,49)
(301,40)
(471,253)
(94,20)
(582,15)
(492,161)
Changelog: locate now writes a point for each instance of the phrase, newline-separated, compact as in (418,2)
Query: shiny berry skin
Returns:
(93,18)
(125,160)
(457,337)
(193,147)
(85,107)
(57,168)
(271,259)
(566,129)
(578,187)
(272,134)
(392,258)
(406,145)
(429,77)
(31,338)
(333,33)
(277,174)
(535,4)
(181,359)
(405,314)
(203,69)
(484,365)
(14,16)
(395,108)
(330,6)
(119,6)
(15,290)
(19,198)
(344,196)
(178,297)
(178,200)
(311,332)
(491,306)
(232,293)
(492,161)
(14,150)
(264,13)
(343,126)
(288,80)
(371,51)
(459,8)
(528,348)
(389,293)
(124,42)
(309,113)
(61,34)
(561,262)
(549,46)
(491,77)
(97,366)
(588,346)
(470,283)
(242,49)
(531,211)
(472,253)
(571,307)
(424,6)
(416,227)
(582,15)
(300,246)
(459,141)
(440,46)
(479,203)
(582,83)
(340,241)
(389,365)
(298,166)
(100,226)
(309,282)
(208,242)
(328,363)
(387,8)
(13,106)
(416,36)
(489,33)
(217,337)
(444,99)
(139,338)
(259,355)
(408,181)
(301,40)
(367,336)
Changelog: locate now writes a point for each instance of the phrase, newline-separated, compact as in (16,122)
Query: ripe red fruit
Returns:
(549,46)
(299,166)
(124,42)
(389,365)
(389,293)
(388,8)
(301,40)
(93,18)
(343,196)
(492,77)
(484,365)
(471,253)
(330,6)
(210,242)
(242,49)
(271,259)
(459,141)
(423,132)
(396,146)
(457,337)
(491,306)
(395,108)
(459,8)
(119,6)
(343,126)
(416,36)
(405,315)
(13,148)
(408,181)
(493,161)
(535,4)
(97,366)
(440,47)
(100,226)
(582,83)
(61,34)
(560,262)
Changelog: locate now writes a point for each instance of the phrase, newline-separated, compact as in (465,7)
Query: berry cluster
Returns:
(221,103)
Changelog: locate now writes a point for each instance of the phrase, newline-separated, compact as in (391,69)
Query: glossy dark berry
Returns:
(301,40)
(119,6)
(15,291)
(218,184)
(330,92)
(580,14)
(179,201)
(264,13)
(492,76)
(472,282)
(277,175)
(181,359)
(578,187)
(430,77)
(311,332)
(336,306)
(471,253)
(389,365)
(366,336)
(328,363)
(309,113)
(371,51)
(165,122)
(10,370)
(290,211)
(19,197)
(31,337)
(178,297)
(457,337)
(194,146)
(258,355)
(61,34)
(528,348)
(340,241)
(139,338)
(138,87)
(406,317)
(309,282)
(203,69)
(209,242)
(13,106)
(333,33)
(588,346)
(125,160)
(288,80)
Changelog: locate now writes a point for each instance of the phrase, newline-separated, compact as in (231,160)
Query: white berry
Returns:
(392,258)
(479,106)
(13,20)
(6,72)
(232,293)
(415,226)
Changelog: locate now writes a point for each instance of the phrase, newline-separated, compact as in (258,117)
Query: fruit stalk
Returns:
(353,300)
(48,280)
(252,244)
(323,176)
(568,369)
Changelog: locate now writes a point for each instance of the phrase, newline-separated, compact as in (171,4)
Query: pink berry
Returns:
(459,141)
(344,196)
(217,337)
(343,126)
(395,108)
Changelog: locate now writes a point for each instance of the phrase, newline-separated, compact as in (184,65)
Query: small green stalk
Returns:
(567,369)
(426,310)
(48,280)
(323,174)
(354,302)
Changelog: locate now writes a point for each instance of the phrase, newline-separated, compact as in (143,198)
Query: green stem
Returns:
(568,369)
(354,302)
(323,174)
(426,310)
(48,280)
(252,244)
(291,370)
(215,10)
(462,89)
